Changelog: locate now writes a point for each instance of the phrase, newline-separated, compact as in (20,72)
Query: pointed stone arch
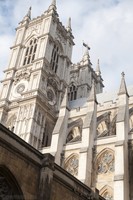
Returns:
(30,49)
(72,91)
(71,164)
(30,37)
(74,131)
(104,162)
(107,192)
(9,187)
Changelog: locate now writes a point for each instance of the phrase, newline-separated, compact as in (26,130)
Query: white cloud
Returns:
(105,25)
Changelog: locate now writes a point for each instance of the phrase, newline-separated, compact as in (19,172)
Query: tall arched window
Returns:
(30,52)
(72,94)
(55,58)
(105,162)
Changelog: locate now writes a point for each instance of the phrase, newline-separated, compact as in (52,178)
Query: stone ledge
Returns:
(119,177)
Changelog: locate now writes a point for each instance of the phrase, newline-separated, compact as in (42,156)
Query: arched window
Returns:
(9,188)
(72,94)
(105,162)
(71,164)
(47,134)
(55,58)
(30,52)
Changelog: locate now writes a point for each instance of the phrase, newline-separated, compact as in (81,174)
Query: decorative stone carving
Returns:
(53,83)
(72,165)
(51,96)
(20,88)
(105,163)
(23,74)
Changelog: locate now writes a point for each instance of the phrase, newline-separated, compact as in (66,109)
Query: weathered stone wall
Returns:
(15,156)
(36,174)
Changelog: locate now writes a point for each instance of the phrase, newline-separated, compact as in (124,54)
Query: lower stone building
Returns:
(26,174)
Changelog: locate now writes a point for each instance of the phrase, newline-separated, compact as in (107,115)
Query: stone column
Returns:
(46,177)
(88,135)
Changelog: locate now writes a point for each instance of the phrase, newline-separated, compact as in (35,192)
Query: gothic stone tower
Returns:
(37,76)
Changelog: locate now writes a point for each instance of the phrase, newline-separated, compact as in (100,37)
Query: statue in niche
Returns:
(74,135)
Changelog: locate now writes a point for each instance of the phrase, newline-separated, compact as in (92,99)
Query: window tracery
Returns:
(9,188)
(30,52)
(55,58)
(72,165)
(105,163)
(72,94)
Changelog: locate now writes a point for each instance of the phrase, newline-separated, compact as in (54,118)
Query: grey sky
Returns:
(107,26)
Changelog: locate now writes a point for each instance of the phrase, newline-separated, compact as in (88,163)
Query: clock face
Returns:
(20,88)
(51,96)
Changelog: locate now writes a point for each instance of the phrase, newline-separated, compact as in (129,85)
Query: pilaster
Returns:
(121,178)
(46,177)
(88,135)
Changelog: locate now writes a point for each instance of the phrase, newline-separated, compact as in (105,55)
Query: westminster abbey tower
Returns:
(60,108)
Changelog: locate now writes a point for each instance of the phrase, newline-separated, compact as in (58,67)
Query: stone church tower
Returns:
(37,76)
(60,108)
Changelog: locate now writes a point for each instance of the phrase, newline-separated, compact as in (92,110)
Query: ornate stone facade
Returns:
(60,108)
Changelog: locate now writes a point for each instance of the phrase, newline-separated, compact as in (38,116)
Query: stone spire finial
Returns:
(69,24)
(92,96)
(27,17)
(98,71)
(123,88)
(53,5)
(29,13)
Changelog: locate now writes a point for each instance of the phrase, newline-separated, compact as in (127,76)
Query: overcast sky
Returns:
(106,25)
